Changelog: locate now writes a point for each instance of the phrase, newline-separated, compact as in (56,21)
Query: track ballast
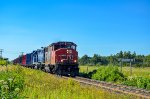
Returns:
(142,93)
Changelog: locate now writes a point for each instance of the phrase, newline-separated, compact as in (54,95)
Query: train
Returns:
(59,58)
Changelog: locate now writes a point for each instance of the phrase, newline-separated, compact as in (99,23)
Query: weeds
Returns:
(11,84)
(109,73)
(46,86)
(139,82)
(112,74)
(19,82)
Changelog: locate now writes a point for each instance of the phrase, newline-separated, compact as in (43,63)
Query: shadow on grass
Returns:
(87,75)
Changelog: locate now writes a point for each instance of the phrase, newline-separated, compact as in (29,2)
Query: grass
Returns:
(144,72)
(11,83)
(140,77)
(87,69)
(3,68)
(40,85)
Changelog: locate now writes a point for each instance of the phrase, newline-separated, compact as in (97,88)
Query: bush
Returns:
(3,62)
(11,84)
(139,82)
(109,73)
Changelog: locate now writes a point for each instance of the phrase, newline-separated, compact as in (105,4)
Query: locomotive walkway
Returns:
(144,94)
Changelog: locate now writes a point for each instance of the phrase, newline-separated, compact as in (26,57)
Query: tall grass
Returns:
(87,69)
(140,77)
(46,86)
(143,72)
(139,71)
(11,83)
(40,85)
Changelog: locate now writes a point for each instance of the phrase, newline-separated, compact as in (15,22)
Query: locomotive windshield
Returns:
(67,46)
(57,46)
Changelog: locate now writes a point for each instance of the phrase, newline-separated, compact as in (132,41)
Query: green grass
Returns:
(140,77)
(144,72)
(40,85)
(87,69)
(11,83)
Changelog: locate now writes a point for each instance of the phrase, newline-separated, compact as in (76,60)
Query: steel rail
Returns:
(142,93)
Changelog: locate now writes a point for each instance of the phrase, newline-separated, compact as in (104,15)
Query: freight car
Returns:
(60,58)
(29,59)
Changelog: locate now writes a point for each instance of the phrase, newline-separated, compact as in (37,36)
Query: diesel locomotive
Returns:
(60,58)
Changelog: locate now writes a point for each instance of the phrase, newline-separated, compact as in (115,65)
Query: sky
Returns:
(103,27)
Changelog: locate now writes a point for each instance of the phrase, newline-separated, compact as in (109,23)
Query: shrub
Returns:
(11,84)
(109,73)
(139,82)
(3,62)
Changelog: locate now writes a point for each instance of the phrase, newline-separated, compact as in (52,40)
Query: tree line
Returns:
(139,60)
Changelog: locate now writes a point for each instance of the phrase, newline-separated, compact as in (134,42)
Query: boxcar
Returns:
(20,60)
(23,60)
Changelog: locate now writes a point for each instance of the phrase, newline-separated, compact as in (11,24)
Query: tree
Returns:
(133,55)
(120,54)
(96,59)
(147,60)
(84,60)
(140,60)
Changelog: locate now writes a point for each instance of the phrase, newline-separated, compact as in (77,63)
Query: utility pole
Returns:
(121,65)
(130,68)
(1,52)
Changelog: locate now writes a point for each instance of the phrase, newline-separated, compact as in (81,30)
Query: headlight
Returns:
(62,60)
(75,61)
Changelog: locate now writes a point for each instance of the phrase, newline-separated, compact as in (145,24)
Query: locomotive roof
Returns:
(58,43)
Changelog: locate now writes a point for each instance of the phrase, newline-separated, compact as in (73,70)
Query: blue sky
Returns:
(97,26)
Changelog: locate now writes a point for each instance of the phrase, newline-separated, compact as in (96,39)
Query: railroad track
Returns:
(144,94)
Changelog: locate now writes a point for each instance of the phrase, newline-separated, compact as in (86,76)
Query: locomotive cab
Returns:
(64,56)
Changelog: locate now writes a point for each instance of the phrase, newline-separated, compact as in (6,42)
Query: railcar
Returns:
(29,60)
(20,60)
(16,61)
(23,62)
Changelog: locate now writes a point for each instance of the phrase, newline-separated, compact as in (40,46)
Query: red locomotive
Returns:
(62,58)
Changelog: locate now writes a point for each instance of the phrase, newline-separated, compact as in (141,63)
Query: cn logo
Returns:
(69,51)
